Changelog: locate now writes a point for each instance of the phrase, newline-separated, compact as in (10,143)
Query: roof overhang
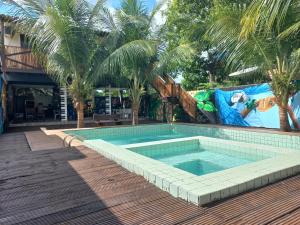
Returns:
(28,79)
(244,72)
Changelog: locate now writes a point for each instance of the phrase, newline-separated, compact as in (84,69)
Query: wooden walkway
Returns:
(80,186)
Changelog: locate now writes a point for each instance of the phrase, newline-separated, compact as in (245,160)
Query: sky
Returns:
(116,3)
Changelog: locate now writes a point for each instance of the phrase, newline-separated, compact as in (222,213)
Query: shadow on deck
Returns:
(79,186)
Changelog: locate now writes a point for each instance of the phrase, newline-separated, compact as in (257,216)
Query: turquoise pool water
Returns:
(191,156)
(196,158)
(203,162)
(145,133)
(127,139)
(132,135)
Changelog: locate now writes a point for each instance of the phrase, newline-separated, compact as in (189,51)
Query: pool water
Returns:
(191,156)
(199,167)
(204,162)
(126,139)
(131,135)
(198,164)
(194,158)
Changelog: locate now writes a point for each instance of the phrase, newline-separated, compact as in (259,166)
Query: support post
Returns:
(3,68)
(63,104)
(2,44)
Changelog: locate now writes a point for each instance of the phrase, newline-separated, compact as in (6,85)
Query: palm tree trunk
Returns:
(293,118)
(135,112)
(284,119)
(80,114)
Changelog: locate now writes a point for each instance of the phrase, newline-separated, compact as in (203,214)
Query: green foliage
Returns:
(263,34)
(187,22)
(155,103)
(204,101)
(251,104)
(180,115)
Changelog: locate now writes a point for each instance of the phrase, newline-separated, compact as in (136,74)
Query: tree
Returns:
(74,38)
(187,22)
(265,34)
(135,24)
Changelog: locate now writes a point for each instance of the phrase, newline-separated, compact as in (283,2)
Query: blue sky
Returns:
(116,3)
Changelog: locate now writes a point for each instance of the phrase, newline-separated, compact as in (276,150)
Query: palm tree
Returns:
(265,34)
(136,25)
(74,38)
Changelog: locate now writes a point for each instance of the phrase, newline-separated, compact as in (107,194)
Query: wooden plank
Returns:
(18,58)
(82,187)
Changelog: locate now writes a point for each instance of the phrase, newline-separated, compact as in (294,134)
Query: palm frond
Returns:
(174,57)
(131,53)
(264,16)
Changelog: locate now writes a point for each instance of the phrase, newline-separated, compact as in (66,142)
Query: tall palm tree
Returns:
(74,38)
(136,25)
(265,34)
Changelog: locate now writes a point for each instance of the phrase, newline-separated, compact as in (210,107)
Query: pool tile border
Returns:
(204,189)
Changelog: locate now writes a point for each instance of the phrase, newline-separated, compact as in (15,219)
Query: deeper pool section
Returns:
(200,164)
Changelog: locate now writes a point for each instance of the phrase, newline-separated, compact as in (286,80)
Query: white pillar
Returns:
(108,101)
(63,104)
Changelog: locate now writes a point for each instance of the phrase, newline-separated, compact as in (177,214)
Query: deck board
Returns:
(79,186)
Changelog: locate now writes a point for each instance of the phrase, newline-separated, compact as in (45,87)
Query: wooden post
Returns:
(3,66)
(4,100)
(2,46)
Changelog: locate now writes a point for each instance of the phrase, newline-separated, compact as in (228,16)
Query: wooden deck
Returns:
(79,186)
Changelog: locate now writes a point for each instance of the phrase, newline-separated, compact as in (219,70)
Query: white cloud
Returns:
(160,17)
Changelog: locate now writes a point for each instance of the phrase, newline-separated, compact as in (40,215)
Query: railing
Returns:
(20,59)
(169,88)
(188,103)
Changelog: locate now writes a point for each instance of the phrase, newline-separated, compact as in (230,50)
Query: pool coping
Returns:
(207,188)
(199,190)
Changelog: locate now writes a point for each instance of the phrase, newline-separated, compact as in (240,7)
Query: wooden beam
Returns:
(18,53)
(3,67)
(19,62)
(2,46)
(23,70)
(4,100)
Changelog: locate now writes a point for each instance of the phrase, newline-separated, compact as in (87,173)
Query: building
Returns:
(30,95)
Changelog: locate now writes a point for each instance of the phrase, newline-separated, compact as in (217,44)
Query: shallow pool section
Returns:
(123,135)
(131,135)
(200,159)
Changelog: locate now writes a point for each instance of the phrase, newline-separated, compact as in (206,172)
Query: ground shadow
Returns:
(53,186)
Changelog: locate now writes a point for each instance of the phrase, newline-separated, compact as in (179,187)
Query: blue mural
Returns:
(253,106)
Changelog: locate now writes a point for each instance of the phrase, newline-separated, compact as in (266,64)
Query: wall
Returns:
(254,107)
(12,40)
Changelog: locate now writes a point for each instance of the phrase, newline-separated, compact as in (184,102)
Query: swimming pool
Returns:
(124,135)
(197,163)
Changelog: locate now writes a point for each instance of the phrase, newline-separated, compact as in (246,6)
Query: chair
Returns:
(29,110)
(99,119)
(41,111)
(19,117)
(56,114)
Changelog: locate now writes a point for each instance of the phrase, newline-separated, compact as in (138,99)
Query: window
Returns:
(24,41)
